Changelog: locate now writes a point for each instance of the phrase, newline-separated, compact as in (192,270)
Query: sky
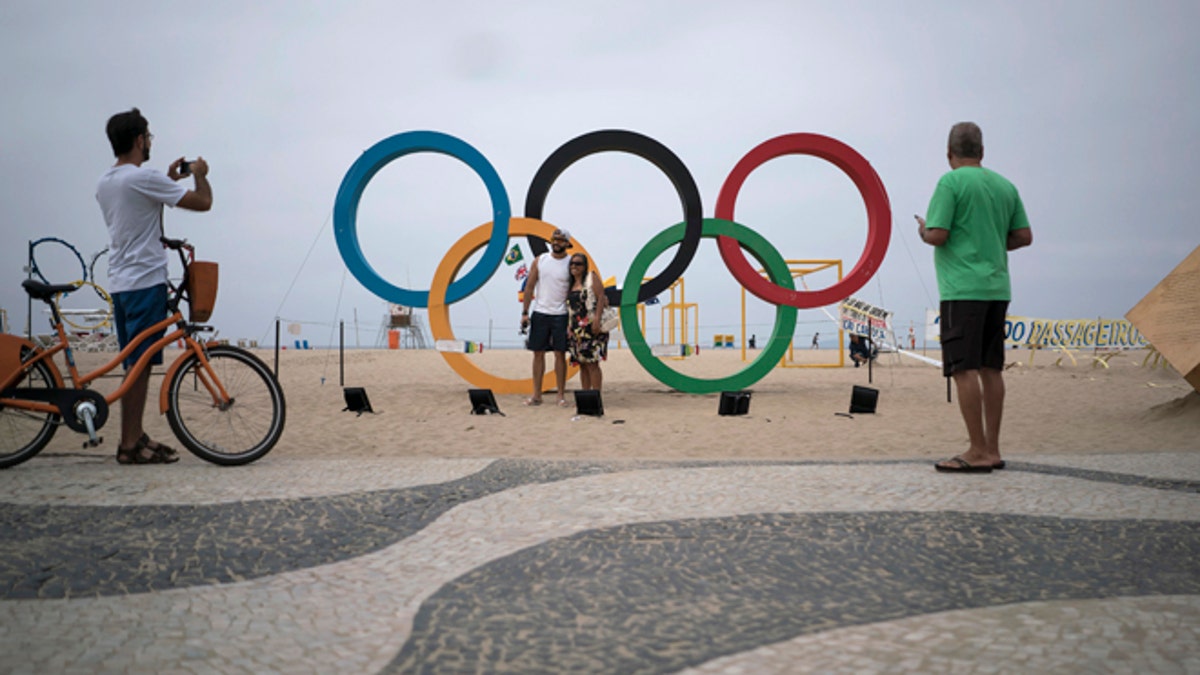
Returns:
(1088,107)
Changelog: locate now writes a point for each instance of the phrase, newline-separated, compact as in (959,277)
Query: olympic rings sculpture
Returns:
(104,319)
(731,236)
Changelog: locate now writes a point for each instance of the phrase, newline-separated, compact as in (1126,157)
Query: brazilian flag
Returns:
(514,256)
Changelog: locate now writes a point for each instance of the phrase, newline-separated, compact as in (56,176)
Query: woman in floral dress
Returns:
(585,304)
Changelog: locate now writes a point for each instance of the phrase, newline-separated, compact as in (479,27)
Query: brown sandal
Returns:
(134,455)
(165,450)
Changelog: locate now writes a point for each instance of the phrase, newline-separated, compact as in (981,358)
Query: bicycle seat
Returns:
(39,291)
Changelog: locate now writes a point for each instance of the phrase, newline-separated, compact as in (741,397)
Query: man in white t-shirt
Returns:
(132,198)
(546,288)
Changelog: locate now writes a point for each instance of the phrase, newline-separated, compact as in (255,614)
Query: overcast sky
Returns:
(1088,107)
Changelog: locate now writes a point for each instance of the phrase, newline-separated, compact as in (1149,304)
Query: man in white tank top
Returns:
(546,289)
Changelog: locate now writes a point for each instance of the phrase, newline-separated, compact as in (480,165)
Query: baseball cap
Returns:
(561,234)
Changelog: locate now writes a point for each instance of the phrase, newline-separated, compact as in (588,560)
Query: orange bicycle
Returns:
(223,403)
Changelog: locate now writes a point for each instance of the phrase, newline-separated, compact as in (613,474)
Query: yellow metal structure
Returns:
(682,307)
(641,311)
(799,270)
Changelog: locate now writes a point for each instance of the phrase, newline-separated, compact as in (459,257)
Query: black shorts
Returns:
(547,332)
(972,335)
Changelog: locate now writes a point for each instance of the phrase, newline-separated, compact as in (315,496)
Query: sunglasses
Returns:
(580,263)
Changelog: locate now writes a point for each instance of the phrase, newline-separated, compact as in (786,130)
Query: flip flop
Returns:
(999,465)
(562,403)
(532,402)
(961,465)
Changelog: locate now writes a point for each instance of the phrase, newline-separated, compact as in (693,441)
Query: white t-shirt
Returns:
(554,282)
(132,198)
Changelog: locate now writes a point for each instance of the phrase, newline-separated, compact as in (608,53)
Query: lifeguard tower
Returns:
(404,328)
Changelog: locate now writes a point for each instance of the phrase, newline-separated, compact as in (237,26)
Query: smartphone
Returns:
(185,167)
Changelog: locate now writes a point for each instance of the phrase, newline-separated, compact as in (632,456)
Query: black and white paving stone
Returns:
(552,566)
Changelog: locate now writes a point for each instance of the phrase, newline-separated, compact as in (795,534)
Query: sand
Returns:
(1054,406)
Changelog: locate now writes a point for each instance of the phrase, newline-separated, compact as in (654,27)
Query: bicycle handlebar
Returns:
(177,244)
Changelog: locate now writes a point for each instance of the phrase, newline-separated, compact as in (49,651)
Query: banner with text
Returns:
(862,318)
(1073,333)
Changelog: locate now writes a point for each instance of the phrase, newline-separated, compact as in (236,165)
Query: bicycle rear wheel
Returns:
(23,433)
(239,432)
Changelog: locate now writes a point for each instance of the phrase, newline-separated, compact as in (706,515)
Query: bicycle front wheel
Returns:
(23,433)
(235,432)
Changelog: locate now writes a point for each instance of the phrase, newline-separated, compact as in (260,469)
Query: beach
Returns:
(1055,404)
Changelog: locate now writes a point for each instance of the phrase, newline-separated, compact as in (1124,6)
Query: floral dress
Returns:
(581,343)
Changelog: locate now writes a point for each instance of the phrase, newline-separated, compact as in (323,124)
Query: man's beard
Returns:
(145,154)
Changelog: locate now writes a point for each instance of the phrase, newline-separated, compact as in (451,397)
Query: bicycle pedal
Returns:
(89,443)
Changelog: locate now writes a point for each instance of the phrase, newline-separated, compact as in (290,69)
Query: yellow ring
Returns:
(439,311)
(107,321)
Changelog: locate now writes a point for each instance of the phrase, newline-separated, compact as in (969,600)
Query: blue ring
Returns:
(33,266)
(345,214)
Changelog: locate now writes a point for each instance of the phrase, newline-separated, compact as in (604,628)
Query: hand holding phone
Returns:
(185,167)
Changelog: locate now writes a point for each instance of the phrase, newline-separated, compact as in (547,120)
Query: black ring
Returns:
(92,272)
(649,149)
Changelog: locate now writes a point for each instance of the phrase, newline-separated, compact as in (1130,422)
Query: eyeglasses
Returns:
(578,262)
(149,136)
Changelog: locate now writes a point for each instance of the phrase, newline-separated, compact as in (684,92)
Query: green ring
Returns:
(785,316)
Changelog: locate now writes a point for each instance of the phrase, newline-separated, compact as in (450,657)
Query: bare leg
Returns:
(539,371)
(587,375)
(970,404)
(560,374)
(133,405)
(993,409)
(597,376)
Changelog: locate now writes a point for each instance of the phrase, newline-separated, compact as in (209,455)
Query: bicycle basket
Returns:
(201,290)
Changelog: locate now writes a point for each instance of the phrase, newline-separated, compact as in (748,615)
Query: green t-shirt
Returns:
(979,207)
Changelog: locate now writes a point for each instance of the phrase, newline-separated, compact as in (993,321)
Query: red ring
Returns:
(879,219)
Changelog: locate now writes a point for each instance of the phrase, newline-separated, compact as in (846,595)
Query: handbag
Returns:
(610,320)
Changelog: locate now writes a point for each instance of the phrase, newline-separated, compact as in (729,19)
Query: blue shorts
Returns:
(134,312)
(547,332)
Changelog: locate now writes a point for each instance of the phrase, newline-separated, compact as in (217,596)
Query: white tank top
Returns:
(554,282)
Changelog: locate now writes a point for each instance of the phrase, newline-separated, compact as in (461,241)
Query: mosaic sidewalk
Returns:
(1065,563)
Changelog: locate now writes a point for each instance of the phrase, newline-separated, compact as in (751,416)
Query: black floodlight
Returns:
(734,403)
(587,402)
(863,399)
(356,400)
(483,402)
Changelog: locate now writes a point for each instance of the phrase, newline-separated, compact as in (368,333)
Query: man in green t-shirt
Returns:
(975,218)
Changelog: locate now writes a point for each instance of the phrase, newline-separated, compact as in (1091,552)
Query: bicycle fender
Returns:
(163,403)
(10,359)
(166,382)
